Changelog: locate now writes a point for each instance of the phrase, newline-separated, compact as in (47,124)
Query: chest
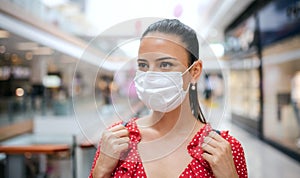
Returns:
(164,161)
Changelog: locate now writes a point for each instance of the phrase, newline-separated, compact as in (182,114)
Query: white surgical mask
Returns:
(160,91)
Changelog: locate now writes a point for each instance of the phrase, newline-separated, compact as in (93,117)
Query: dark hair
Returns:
(186,33)
(189,38)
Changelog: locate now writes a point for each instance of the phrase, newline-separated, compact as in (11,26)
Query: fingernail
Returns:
(211,133)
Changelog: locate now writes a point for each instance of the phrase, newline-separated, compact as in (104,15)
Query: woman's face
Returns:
(164,53)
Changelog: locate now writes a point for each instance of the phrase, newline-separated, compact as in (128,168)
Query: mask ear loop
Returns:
(188,69)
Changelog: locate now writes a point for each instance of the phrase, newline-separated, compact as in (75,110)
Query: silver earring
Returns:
(193,87)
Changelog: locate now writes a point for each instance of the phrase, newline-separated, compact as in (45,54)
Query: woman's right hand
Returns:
(114,141)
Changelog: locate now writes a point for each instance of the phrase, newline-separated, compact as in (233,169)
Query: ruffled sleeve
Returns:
(199,167)
(97,154)
(130,164)
(238,154)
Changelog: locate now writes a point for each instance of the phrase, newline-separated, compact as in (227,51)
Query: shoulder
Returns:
(234,142)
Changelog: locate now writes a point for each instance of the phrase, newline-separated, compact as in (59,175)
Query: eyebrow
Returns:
(144,60)
(163,58)
(158,59)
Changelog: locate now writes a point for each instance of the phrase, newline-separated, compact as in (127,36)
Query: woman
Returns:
(174,140)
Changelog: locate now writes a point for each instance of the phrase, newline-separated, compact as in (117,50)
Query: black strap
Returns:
(124,123)
(219,132)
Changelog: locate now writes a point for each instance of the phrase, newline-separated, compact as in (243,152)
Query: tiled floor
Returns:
(264,161)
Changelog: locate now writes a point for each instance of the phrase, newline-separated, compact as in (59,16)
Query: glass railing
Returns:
(67,16)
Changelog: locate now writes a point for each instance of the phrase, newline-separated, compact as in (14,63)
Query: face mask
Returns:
(160,91)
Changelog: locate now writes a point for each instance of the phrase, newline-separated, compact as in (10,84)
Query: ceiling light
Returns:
(28,56)
(26,46)
(218,49)
(4,34)
(14,58)
(53,3)
(43,51)
(2,49)
(20,92)
(51,81)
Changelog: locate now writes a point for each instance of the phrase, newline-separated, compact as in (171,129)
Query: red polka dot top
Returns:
(132,165)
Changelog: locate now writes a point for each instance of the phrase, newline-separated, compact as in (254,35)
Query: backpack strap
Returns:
(219,132)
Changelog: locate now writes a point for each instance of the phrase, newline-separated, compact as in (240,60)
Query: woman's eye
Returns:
(166,65)
(142,65)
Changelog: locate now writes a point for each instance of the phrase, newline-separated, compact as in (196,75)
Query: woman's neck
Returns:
(179,121)
(168,131)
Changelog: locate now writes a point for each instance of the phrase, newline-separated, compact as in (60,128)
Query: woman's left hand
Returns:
(217,152)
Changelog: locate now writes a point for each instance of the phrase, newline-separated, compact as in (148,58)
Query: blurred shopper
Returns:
(295,98)
(207,89)
(174,140)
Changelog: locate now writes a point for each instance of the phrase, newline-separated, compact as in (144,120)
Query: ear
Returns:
(196,71)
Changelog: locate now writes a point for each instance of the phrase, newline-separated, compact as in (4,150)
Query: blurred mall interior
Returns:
(66,71)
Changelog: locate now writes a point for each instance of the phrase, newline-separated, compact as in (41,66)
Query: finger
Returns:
(122,140)
(208,157)
(208,149)
(116,128)
(119,148)
(115,150)
(121,133)
(216,136)
(211,141)
(123,146)
(108,135)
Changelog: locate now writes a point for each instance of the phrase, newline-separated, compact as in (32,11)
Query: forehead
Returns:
(163,44)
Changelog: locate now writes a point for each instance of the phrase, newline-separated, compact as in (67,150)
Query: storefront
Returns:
(264,55)
(281,102)
(280,41)
(243,56)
